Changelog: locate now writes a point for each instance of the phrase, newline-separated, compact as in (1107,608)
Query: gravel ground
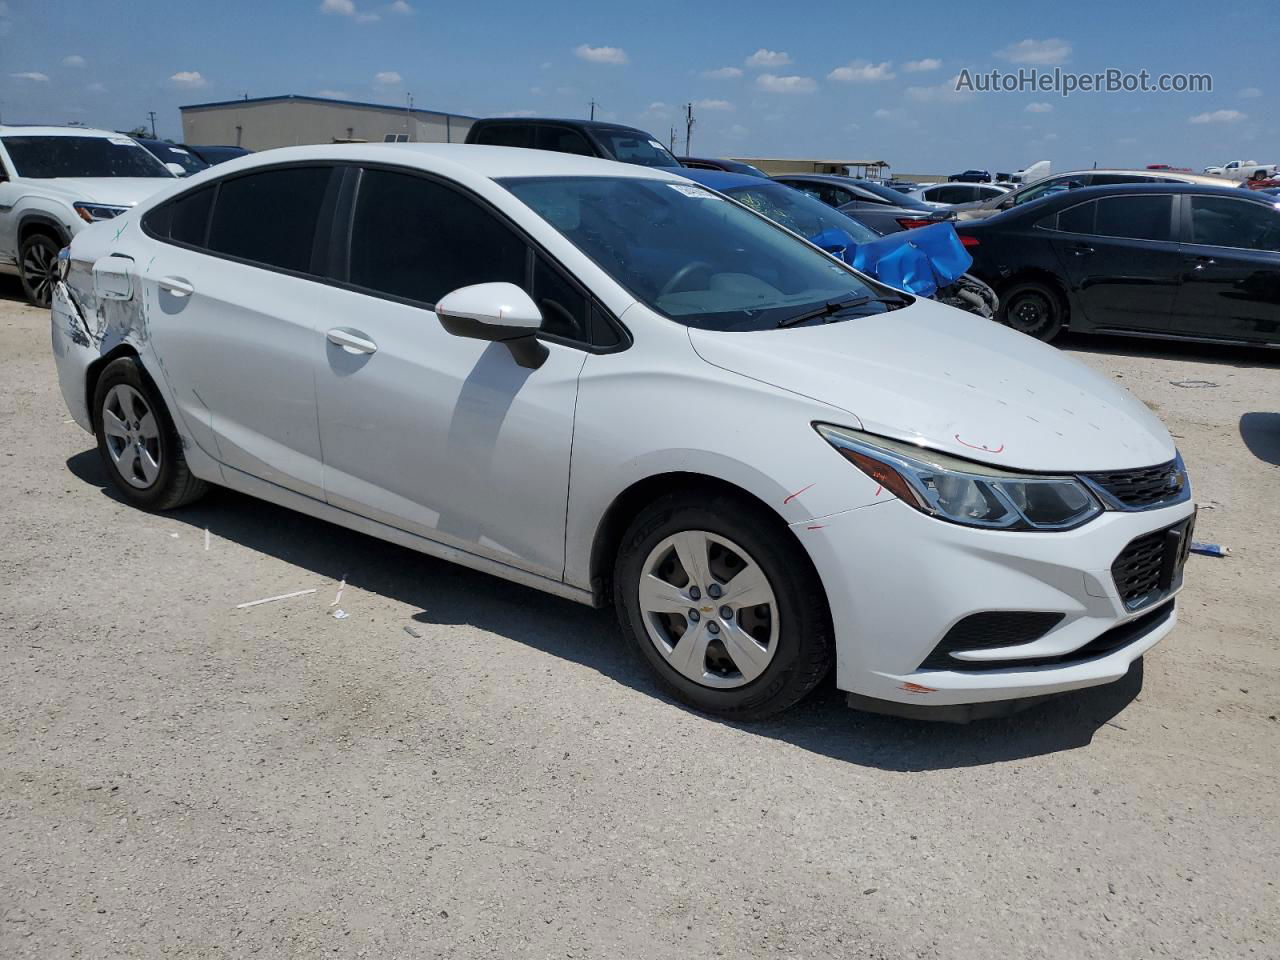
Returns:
(467,768)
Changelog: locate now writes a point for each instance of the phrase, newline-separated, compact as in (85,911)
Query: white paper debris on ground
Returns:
(411,631)
(206,538)
(283,596)
(341,586)
(174,535)
(340,614)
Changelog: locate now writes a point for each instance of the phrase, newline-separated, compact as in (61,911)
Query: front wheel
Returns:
(38,268)
(718,598)
(1033,309)
(137,441)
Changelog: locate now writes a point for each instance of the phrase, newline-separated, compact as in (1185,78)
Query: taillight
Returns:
(969,240)
(909,223)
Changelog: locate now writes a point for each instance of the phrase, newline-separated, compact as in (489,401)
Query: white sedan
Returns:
(609,383)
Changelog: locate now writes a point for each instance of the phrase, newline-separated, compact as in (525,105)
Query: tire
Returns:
(1034,309)
(781,647)
(38,268)
(137,441)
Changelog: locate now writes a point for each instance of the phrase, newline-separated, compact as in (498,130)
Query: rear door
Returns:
(1120,256)
(235,315)
(1230,270)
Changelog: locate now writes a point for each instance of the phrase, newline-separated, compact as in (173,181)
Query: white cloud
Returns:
(945,92)
(883,114)
(713,104)
(400,6)
(613,55)
(657,107)
(387,78)
(775,84)
(74,60)
(1043,52)
(768,58)
(1251,92)
(346,8)
(1039,107)
(31,75)
(922,66)
(862,71)
(519,113)
(96,88)
(367,17)
(1220,116)
(190,79)
(723,73)
(334,94)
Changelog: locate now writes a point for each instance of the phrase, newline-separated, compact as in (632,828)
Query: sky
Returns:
(845,82)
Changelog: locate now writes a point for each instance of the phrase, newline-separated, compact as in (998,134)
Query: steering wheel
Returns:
(683,274)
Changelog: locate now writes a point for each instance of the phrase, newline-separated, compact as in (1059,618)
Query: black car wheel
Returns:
(38,268)
(1033,309)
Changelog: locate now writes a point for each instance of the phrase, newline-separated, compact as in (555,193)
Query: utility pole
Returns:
(152,115)
(673,140)
(688,128)
(593,106)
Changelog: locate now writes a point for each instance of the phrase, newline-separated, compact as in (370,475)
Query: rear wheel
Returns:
(720,601)
(38,268)
(137,441)
(1034,309)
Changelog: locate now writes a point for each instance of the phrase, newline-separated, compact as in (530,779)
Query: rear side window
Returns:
(1135,218)
(504,135)
(184,220)
(562,140)
(270,217)
(1222,222)
(414,238)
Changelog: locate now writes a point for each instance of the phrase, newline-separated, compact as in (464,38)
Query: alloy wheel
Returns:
(40,269)
(132,435)
(709,609)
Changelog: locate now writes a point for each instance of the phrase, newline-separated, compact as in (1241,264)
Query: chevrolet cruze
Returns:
(609,383)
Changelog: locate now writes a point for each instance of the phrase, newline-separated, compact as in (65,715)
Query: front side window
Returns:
(1223,222)
(692,255)
(563,140)
(1049,186)
(43,158)
(414,238)
(270,217)
(1135,218)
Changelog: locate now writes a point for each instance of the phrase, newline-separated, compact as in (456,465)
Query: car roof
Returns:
(581,124)
(11,130)
(1067,198)
(1158,174)
(723,179)
(486,161)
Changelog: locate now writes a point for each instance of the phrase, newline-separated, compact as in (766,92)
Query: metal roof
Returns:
(301,98)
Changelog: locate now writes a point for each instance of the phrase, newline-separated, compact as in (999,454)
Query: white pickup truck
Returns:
(1243,170)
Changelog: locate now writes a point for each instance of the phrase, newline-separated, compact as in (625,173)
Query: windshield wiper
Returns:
(832,307)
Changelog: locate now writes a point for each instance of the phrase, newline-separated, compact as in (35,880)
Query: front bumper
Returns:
(897,581)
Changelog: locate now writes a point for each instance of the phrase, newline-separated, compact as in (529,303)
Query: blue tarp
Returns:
(918,261)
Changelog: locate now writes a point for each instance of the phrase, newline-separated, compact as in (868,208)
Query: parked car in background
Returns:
(586,138)
(948,194)
(881,208)
(1149,259)
(934,270)
(213,155)
(426,386)
(727,166)
(1074,180)
(176,154)
(1243,170)
(56,180)
(971,176)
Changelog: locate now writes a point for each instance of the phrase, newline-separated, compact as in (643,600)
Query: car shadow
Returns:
(445,594)
(1212,353)
(1261,434)
(11,288)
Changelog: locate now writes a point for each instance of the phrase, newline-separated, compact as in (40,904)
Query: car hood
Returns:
(937,376)
(119,191)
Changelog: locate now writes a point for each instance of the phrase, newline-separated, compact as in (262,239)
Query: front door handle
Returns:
(352,341)
(1081,249)
(1202,262)
(176,285)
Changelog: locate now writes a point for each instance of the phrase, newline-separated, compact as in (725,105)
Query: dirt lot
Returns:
(466,768)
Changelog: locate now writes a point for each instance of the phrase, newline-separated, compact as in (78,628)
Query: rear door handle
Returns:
(176,285)
(1202,262)
(1081,249)
(352,341)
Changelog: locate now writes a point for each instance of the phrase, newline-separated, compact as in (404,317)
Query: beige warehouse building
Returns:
(261,123)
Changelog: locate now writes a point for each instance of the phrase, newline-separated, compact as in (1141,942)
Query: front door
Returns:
(1231,270)
(1120,256)
(444,436)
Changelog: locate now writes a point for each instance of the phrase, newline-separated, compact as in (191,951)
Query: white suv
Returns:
(54,181)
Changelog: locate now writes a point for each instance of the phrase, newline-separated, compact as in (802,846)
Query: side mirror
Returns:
(498,312)
(177,169)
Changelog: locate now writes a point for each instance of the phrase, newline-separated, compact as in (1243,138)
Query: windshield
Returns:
(168,153)
(635,147)
(799,212)
(43,158)
(692,255)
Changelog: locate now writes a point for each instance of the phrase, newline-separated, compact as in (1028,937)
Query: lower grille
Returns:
(1149,566)
(986,631)
(1102,645)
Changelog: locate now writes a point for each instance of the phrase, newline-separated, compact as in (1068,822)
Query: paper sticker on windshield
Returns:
(691,191)
(122,141)
(656,145)
(179,150)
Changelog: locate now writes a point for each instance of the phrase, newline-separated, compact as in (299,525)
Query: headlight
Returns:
(93,212)
(960,491)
